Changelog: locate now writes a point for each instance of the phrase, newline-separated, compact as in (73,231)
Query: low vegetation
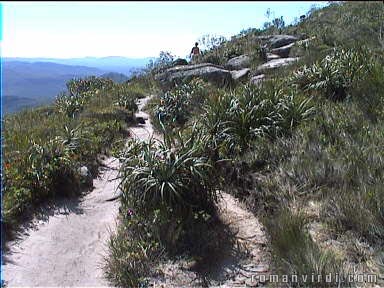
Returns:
(45,149)
(303,150)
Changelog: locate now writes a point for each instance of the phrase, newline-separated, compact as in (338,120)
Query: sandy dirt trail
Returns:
(68,246)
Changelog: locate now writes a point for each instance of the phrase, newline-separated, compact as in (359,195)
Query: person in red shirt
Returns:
(195,54)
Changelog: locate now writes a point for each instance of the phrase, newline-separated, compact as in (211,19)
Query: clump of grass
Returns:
(134,251)
(295,253)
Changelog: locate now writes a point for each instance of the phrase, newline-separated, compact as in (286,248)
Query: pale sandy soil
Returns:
(67,249)
(241,264)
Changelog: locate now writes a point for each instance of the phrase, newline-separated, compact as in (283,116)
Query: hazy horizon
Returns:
(70,58)
(67,30)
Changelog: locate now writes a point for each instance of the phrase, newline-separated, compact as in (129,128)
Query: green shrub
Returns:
(70,105)
(43,172)
(178,105)
(335,75)
(236,118)
(167,177)
(126,98)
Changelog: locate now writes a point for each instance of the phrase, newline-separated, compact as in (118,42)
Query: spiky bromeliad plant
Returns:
(337,73)
(160,176)
(235,119)
(169,181)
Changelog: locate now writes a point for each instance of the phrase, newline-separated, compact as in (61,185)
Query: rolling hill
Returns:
(29,82)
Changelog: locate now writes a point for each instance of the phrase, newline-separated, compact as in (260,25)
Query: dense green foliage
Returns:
(169,196)
(44,148)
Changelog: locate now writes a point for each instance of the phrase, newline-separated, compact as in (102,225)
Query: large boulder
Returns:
(240,75)
(179,61)
(273,64)
(277,41)
(283,51)
(237,63)
(212,73)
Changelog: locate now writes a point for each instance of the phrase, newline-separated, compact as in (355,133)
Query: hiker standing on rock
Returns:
(195,54)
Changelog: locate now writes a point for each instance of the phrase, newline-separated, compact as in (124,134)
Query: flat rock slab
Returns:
(275,64)
(283,51)
(277,41)
(236,63)
(240,75)
(214,74)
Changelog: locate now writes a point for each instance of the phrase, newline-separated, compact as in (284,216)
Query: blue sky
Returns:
(131,29)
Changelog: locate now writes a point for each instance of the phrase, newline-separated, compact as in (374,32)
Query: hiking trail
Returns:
(67,246)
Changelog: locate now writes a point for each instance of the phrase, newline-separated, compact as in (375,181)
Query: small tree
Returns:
(160,64)
(278,23)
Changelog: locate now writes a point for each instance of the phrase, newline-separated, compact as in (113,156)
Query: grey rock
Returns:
(85,175)
(240,75)
(236,63)
(264,37)
(275,64)
(207,71)
(277,41)
(283,51)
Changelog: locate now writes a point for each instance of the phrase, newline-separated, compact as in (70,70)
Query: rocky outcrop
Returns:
(212,73)
(179,61)
(276,41)
(281,40)
(270,65)
(236,63)
(283,51)
(240,75)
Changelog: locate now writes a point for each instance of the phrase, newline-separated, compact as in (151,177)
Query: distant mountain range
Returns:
(29,82)
(109,64)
